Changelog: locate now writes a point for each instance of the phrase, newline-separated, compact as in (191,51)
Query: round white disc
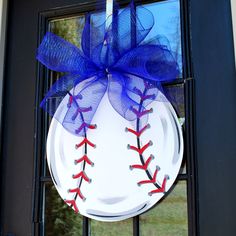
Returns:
(109,188)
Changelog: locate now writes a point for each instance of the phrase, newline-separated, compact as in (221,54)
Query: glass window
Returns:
(169,217)
(123,228)
(59,219)
(167,25)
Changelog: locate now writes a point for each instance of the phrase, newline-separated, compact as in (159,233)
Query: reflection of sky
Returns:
(167,24)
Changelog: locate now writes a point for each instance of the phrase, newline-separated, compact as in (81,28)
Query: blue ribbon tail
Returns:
(83,103)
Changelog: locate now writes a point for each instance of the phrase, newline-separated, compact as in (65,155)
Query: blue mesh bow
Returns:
(113,59)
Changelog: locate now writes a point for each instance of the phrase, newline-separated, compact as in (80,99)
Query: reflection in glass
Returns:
(69,28)
(169,217)
(59,219)
(121,228)
(175,94)
(167,26)
(183,169)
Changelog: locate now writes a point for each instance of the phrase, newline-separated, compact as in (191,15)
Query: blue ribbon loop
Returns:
(116,60)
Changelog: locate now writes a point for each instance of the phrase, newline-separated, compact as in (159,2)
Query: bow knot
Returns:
(116,60)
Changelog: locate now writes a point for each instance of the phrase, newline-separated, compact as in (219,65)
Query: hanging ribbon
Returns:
(114,59)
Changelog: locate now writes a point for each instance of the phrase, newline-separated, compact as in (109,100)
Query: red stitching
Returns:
(145,166)
(70,101)
(163,187)
(85,141)
(150,181)
(137,91)
(84,109)
(142,96)
(139,114)
(78,191)
(92,126)
(82,175)
(80,110)
(73,204)
(85,159)
(151,96)
(138,133)
(140,150)
(71,98)
(83,126)
(148,85)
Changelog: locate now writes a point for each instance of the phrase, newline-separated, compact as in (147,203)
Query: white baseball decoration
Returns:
(117,170)
(115,144)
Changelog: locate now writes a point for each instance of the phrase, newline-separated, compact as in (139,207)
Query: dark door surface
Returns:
(215,115)
(18,119)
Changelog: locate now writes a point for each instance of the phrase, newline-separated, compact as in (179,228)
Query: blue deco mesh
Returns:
(115,59)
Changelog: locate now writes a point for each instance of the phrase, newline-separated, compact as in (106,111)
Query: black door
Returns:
(209,85)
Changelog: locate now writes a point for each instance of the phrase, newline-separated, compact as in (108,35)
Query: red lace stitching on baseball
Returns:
(70,101)
(140,150)
(84,142)
(139,114)
(84,159)
(79,110)
(82,175)
(73,204)
(78,191)
(73,98)
(152,178)
(83,126)
(139,132)
(162,188)
(142,96)
(145,166)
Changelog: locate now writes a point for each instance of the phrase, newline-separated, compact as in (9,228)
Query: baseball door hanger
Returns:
(115,144)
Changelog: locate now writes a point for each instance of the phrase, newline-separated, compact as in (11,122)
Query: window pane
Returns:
(175,93)
(59,219)
(167,26)
(69,28)
(123,228)
(169,217)
(183,169)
